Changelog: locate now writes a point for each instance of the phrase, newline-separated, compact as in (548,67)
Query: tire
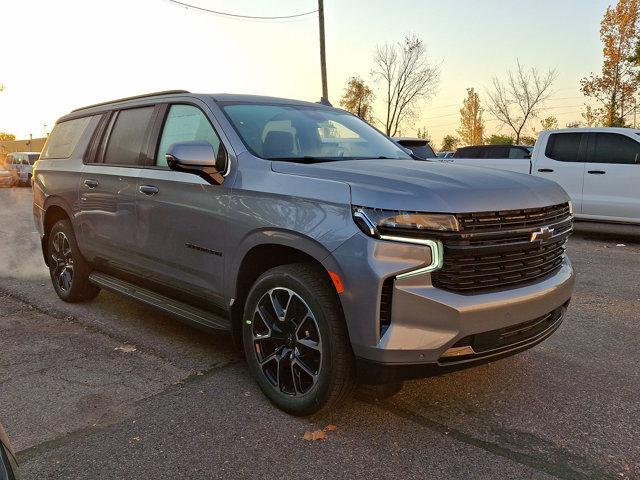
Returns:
(68,269)
(312,357)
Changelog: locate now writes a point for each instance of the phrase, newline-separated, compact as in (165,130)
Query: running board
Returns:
(163,303)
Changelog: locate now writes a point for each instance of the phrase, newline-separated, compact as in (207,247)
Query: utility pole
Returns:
(323,57)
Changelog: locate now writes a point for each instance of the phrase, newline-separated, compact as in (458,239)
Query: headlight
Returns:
(375,222)
(402,227)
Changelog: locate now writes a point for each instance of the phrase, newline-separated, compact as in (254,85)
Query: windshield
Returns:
(307,133)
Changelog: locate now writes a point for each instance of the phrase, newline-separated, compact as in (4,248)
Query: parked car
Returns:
(8,463)
(598,167)
(445,154)
(418,146)
(325,249)
(493,152)
(22,164)
(7,177)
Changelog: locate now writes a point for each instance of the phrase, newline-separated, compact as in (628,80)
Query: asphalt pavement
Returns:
(113,389)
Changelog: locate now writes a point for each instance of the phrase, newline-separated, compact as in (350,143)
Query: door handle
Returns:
(596,172)
(148,189)
(89,183)
(545,170)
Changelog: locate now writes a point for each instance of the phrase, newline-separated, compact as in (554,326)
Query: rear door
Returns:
(107,189)
(182,218)
(561,157)
(612,178)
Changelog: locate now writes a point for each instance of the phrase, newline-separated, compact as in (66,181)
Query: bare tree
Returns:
(518,99)
(407,78)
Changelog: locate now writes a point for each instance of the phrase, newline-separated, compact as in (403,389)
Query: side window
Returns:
(564,147)
(186,123)
(64,138)
(128,136)
(495,152)
(519,153)
(614,148)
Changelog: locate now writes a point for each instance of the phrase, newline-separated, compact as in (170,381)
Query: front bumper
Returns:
(426,321)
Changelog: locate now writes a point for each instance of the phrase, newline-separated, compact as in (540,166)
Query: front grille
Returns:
(495,341)
(493,250)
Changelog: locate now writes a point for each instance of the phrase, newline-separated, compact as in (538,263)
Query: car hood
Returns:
(432,186)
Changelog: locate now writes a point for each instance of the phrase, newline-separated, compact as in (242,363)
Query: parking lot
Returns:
(112,389)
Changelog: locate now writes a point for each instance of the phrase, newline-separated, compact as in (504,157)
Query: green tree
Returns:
(358,99)
(449,142)
(497,139)
(617,84)
(471,128)
(7,136)
(527,140)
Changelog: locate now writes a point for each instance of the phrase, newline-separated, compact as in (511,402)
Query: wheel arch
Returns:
(266,250)
(55,209)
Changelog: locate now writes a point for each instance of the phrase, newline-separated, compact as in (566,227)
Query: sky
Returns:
(63,54)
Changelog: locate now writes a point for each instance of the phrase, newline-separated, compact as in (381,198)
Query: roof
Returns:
(410,139)
(496,145)
(595,129)
(217,97)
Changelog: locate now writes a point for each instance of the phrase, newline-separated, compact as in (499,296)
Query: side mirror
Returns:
(198,158)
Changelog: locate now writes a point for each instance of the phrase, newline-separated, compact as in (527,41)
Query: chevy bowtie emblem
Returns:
(545,233)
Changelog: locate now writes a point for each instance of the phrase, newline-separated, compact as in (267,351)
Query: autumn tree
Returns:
(7,136)
(358,98)
(449,142)
(519,98)
(617,83)
(406,77)
(471,129)
(497,139)
(591,116)
(549,123)
(575,124)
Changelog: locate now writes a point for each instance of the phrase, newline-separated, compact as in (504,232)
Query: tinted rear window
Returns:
(564,147)
(467,152)
(33,157)
(128,136)
(64,138)
(615,148)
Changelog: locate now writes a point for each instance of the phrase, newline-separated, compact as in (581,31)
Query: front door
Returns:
(181,217)
(612,178)
(563,161)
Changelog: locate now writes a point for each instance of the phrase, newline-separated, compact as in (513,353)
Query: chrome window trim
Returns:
(437,254)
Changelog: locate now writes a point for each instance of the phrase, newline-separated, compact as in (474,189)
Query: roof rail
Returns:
(135,97)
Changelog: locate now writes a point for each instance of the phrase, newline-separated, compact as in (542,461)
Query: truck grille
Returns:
(494,250)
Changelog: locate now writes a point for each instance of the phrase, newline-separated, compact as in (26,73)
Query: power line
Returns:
(235,15)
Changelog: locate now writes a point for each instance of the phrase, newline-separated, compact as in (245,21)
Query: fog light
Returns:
(459,351)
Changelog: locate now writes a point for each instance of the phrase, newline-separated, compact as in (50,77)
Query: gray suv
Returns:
(328,253)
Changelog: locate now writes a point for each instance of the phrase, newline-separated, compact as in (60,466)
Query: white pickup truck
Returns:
(598,167)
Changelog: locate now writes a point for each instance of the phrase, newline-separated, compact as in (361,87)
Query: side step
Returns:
(161,302)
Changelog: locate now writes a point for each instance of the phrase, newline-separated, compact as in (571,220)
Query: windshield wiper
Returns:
(306,159)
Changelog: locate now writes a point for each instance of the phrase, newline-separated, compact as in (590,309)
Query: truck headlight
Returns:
(376,222)
(402,227)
